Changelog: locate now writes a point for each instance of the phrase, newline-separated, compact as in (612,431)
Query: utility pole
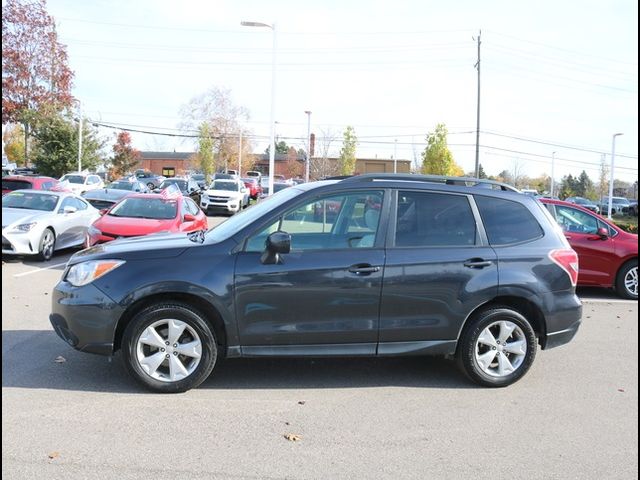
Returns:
(240,154)
(79,136)
(308,162)
(395,156)
(553,172)
(477,66)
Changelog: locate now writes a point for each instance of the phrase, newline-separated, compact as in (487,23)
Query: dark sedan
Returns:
(584,203)
(105,198)
(188,187)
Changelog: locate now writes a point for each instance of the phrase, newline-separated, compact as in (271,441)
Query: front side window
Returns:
(427,219)
(576,221)
(76,179)
(334,222)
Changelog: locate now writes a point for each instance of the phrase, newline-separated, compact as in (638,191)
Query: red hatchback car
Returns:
(142,214)
(608,255)
(253,184)
(22,182)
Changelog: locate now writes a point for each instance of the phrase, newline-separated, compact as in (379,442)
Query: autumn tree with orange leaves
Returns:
(35,70)
(125,158)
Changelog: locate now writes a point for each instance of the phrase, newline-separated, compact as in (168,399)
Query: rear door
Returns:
(438,269)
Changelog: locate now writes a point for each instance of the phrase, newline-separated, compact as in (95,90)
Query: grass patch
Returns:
(628,224)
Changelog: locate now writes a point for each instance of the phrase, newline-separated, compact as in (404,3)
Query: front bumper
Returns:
(220,206)
(85,317)
(27,243)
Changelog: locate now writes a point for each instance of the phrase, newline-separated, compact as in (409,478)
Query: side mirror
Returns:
(603,233)
(104,211)
(189,218)
(69,209)
(277,244)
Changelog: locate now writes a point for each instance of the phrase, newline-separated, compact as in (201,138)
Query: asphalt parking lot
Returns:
(71,415)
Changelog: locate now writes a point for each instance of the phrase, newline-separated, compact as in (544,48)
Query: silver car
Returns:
(35,222)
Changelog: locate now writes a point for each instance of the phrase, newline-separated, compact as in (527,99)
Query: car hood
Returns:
(21,215)
(222,193)
(157,245)
(133,226)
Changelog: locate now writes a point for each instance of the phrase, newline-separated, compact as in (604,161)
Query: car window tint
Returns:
(67,202)
(574,220)
(79,204)
(434,219)
(333,222)
(507,222)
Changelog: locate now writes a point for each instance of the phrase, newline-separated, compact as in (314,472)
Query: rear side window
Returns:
(507,222)
(434,220)
(15,185)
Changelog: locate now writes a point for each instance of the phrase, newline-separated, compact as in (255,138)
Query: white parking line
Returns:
(608,300)
(39,270)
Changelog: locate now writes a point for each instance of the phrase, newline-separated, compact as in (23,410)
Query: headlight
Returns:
(93,231)
(25,227)
(205,197)
(86,272)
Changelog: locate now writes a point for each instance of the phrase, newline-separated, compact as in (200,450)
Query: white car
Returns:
(79,183)
(36,222)
(226,195)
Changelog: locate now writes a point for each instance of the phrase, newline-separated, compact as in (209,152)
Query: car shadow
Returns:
(39,359)
(59,256)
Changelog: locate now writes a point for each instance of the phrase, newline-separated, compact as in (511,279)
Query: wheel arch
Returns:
(208,312)
(522,305)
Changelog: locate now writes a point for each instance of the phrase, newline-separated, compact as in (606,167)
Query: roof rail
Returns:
(462,181)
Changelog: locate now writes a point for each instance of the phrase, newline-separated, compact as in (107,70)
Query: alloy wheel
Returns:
(631,281)
(501,349)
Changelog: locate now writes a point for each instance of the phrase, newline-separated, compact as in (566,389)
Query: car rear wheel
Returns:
(47,245)
(627,280)
(169,348)
(497,347)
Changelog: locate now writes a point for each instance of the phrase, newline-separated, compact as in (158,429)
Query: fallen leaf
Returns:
(292,437)
(287,423)
(53,455)
(46,293)
(301,402)
(60,359)
(621,390)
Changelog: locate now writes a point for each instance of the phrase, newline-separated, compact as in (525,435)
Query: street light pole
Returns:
(613,156)
(395,156)
(272,148)
(553,172)
(307,166)
(79,136)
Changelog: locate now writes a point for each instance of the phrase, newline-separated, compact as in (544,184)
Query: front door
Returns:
(325,294)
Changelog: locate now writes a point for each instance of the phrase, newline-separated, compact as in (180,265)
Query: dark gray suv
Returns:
(369,265)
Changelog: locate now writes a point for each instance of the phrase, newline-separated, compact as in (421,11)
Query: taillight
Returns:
(566,259)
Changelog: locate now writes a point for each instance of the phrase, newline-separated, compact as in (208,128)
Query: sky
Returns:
(554,74)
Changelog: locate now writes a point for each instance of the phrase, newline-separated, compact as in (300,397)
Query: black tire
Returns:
(469,341)
(622,288)
(151,186)
(157,314)
(47,245)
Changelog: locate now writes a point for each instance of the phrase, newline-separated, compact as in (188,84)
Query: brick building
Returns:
(168,164)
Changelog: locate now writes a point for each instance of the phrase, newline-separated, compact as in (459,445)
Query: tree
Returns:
(481,173)
(584,185)
(56,144)
(322,165)
(603,178)
(225,119)
(437,159)
(35,72)
(205,150)
(125,157)
(13,139)
(281,147)
(347,159)
(568,187)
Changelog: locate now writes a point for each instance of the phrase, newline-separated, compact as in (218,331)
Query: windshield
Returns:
(182,184)
(145,207)
(122,185)
(30,201)
(78,179)
(245,218)
(581,201)
(230,186)
(197,177)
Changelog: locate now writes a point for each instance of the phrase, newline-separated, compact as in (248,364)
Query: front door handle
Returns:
(363,269)
(477,263)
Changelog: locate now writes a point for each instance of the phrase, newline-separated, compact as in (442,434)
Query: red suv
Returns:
(608,255)
(253,184)
(21,182)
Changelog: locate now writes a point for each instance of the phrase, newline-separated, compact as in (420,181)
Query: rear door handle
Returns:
(479,263)
(363,269)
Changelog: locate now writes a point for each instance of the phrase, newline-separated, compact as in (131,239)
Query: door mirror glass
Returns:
(69,209)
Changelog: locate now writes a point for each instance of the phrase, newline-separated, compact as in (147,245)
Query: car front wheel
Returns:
(497,348)
(47,245)
(169,348)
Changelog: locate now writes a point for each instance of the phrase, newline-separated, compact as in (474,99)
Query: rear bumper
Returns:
(563,314)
